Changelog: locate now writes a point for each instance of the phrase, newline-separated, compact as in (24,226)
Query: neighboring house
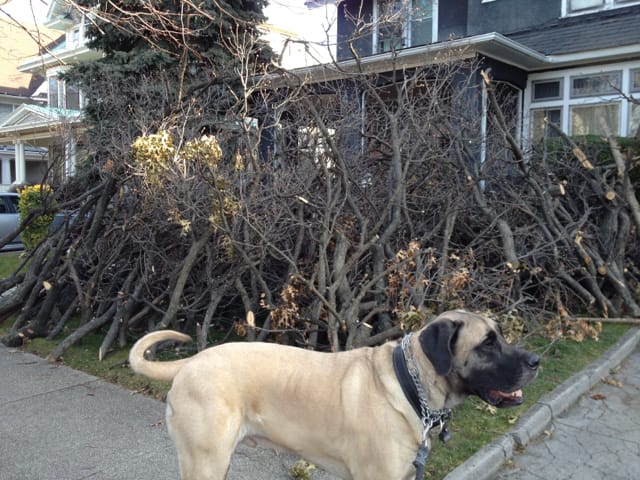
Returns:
(571,61)
(40,115)
(54,127)
(16,89)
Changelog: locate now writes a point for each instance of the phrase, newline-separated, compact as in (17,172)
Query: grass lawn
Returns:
(473,424)
(9,262)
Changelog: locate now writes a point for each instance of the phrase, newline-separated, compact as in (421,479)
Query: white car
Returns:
(10,219)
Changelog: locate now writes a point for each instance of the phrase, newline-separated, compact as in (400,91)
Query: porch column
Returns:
(70,157)
(21,165)
(6,171)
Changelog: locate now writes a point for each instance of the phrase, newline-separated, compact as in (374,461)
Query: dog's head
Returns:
(471,353)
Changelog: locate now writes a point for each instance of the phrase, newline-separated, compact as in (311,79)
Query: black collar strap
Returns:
(428,418)
(406,382)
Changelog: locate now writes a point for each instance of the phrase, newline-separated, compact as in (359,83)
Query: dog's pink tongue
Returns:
(516,394)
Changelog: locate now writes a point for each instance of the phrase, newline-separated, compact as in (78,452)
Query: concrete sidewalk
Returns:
(599,437)
(60,424)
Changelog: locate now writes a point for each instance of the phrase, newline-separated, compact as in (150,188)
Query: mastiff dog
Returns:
(360,414)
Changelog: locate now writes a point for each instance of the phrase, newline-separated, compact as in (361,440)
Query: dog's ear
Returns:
(438,343)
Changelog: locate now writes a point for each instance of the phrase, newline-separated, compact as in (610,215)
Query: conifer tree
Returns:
(164,58)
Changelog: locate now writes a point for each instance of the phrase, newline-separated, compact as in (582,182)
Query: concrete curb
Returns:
(485,463)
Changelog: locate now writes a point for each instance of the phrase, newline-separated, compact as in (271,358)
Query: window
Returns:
(63,95)
(421,22)
(403,23)
(592,85)
(547,90)
(74,37)
(540,128)
(54,96)
(586,6)
(5,110)
(575,5)
(577,99)
(585,119)
(392,17)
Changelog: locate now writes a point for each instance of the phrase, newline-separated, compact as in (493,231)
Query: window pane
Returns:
(634,122)
(392,18)
(585,120)
(421,22)
(603,83)
(547,90)
(539,128)
(582,4)
(635,80)
(73,97)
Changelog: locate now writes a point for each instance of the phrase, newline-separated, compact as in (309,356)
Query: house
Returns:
(571,61)
(16,89)
(39,134)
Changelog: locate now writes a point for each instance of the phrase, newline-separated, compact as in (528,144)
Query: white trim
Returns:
(39,63)
(483,129)
(21,165)
(374,37)
(363,120)
(592,56)
(434,21)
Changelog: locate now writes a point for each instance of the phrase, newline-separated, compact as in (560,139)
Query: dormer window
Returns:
(73,37)
(588,6)
(403,23)
(54,94)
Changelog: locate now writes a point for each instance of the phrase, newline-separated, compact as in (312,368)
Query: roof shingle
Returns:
(611,28)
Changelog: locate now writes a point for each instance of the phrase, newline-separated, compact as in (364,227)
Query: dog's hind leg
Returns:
(208,459)
(205,442)
(204,464)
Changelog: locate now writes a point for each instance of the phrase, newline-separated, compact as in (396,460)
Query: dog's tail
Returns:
(156,370)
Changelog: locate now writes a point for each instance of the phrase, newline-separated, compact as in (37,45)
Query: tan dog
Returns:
(345,412)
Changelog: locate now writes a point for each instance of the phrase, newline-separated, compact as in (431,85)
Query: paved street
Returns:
(597,438)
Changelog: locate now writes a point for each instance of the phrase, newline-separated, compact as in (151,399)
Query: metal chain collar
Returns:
(430,418)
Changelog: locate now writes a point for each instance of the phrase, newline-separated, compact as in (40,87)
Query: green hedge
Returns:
(32,197)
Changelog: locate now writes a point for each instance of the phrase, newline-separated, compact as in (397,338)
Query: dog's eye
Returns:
(490,341)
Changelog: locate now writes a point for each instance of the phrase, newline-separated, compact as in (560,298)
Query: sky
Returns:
(25,10)
(291,15)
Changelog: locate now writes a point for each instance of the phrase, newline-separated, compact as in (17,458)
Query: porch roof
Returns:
(35,122)
(493,45)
